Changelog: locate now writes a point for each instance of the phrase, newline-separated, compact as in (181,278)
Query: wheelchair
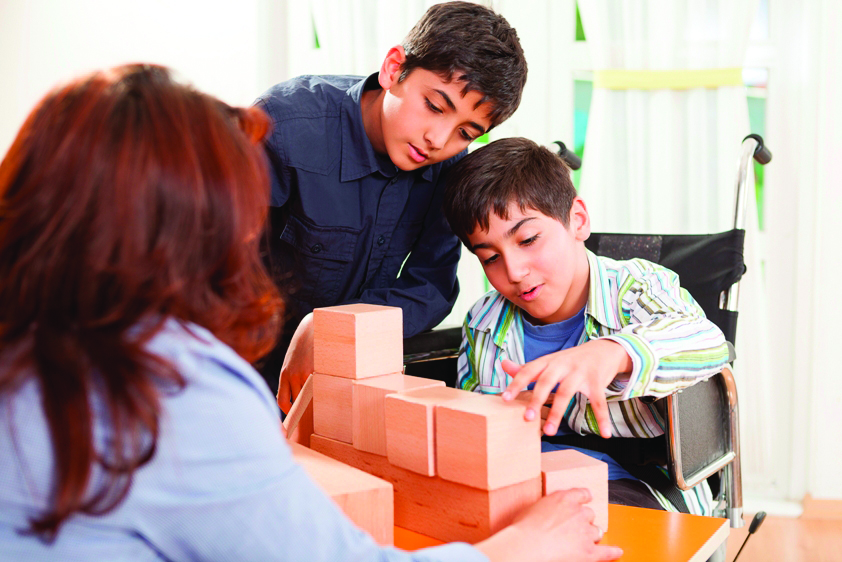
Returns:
(702,421)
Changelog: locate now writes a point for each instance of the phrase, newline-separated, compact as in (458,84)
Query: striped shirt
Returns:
(635,303)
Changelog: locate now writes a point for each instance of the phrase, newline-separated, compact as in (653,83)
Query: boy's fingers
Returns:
(541,393)
(510,367)
(553,420)
(561,400)
(283,396)
(525,374)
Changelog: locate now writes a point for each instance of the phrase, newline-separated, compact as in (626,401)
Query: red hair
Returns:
(126,199)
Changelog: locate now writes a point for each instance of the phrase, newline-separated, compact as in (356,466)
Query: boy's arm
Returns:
(667,337)
(666,345)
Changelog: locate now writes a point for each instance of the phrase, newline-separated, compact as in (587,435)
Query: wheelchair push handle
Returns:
(761,153)
(570,158)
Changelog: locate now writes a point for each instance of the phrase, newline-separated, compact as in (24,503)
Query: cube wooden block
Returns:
(368,501)
(484,442)
(358,340)
(369,409)
(565,469)
(332,404)
(434,507)
(410,427)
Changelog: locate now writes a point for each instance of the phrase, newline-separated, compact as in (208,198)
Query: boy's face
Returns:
(423,119)
(536,262)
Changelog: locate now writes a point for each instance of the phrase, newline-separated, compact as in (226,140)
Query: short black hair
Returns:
(508,170)
(474,45)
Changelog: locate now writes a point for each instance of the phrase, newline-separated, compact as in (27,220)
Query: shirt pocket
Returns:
(323,258)
(400,245)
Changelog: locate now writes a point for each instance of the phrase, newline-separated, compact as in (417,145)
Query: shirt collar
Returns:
(359,158)
(601,305)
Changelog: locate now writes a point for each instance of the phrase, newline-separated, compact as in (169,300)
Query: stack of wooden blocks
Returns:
(462,465)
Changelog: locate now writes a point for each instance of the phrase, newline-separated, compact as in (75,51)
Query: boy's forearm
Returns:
(664,361)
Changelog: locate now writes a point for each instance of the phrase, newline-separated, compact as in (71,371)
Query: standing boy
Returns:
(357,175)
(608,337)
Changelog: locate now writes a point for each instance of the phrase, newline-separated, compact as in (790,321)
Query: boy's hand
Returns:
(588,368)
(298,364)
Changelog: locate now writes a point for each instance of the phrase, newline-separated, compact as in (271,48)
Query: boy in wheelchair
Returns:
(605,339)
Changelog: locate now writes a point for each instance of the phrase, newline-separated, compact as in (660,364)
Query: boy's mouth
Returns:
(532,293)
(417,154)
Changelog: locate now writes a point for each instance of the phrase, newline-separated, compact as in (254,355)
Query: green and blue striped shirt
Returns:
(639,305)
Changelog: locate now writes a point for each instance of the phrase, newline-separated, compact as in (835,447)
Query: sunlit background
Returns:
(653,160)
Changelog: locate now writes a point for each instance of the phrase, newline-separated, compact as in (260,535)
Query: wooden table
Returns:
(643,534)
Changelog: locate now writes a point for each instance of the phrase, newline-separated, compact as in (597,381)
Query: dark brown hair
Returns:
(508,170)
(471,44)
(126,199)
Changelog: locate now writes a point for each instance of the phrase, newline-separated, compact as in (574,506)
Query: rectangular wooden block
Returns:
(368,501)
(332,402)
(358,340)
(410,427)
(369,409)
(562,470)
(484,442)
(434,507)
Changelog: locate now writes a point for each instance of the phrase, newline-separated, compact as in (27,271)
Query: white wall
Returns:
(225,47)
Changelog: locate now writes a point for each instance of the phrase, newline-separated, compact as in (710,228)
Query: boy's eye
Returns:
(489,261)
(529,241)
(466,135)
(432,107)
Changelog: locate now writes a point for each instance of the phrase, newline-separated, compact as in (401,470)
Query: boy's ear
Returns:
(580,220)
(390,70)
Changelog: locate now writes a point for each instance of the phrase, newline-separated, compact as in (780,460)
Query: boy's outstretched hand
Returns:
(588,368)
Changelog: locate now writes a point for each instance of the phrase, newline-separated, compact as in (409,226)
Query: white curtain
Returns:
(804,264)
(353,35)
(665,160)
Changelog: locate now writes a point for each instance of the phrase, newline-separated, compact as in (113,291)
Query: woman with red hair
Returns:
(132,298)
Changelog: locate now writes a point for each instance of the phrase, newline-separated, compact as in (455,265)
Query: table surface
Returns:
(643,534)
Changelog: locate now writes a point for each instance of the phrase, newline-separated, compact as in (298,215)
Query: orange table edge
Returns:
(643,534)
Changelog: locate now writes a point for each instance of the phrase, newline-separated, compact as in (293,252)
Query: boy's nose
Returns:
(516,270)
(436,136)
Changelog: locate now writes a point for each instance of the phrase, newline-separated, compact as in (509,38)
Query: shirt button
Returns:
(381,241)
(316,248)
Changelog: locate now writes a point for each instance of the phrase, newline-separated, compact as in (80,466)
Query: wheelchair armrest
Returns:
(703,437)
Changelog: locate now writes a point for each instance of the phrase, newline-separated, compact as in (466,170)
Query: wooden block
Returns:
(332,401)
(299,422)
(369,409)
(565,469)
(410,427)
(358,340)
(368,501)
(484,442)
(434,507)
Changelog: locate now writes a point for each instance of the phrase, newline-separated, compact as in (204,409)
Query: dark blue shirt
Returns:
(344,217)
